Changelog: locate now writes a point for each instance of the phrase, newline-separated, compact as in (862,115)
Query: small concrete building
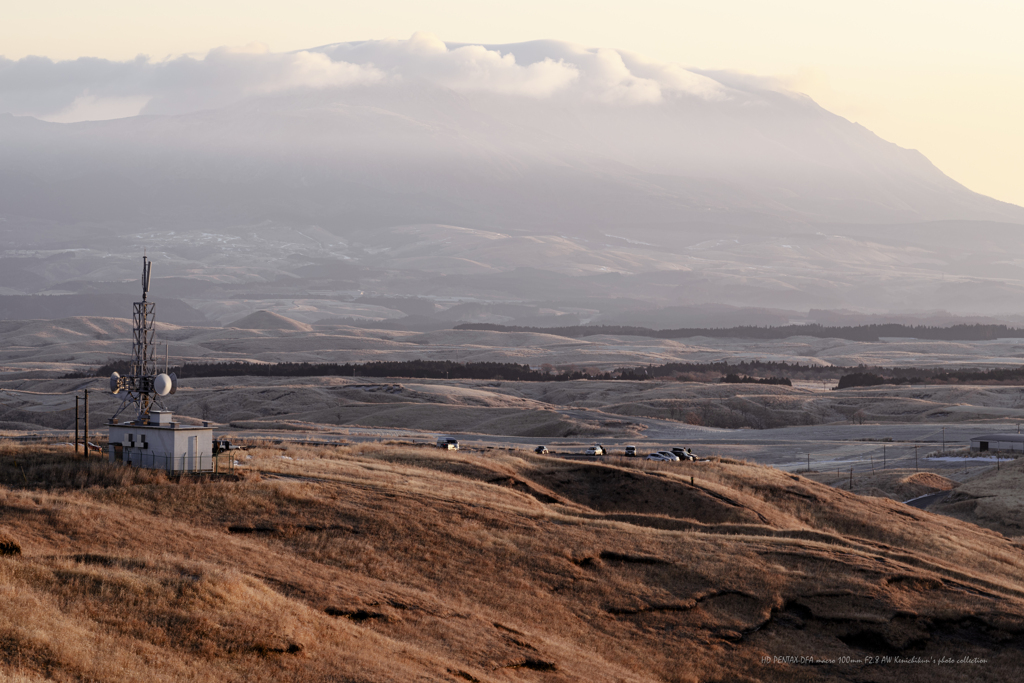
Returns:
(998,442)
(162,444)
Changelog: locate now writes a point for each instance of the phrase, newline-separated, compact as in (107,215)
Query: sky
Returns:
(942,77)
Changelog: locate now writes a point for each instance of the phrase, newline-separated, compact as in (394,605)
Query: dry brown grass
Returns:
(898,483)
(383,562)
(994,499)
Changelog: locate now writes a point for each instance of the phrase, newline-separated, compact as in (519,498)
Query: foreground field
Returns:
(382,563)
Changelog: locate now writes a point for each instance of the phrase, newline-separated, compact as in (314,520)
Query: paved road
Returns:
(924,501)
(837,447)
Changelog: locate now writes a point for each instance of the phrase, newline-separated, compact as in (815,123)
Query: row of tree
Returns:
(933,376)
(759,372)
(733,378)
(425,369)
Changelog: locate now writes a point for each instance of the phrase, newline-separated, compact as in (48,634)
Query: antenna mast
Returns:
(140,382)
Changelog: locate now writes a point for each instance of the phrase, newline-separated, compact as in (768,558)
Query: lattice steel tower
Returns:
(142,384)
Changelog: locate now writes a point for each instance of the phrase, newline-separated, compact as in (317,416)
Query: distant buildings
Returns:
(998,442)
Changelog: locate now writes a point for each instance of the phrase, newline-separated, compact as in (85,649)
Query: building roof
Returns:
(1015,438)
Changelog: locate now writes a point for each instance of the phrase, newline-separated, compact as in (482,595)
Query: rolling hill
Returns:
(372,562)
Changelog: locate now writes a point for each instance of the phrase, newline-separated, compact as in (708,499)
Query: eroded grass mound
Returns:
(994,499)
(399,563)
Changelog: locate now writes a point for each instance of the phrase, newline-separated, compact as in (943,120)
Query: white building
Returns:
(998,442)
(162,444)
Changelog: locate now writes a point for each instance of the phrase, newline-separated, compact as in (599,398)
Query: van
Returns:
(448,443)
(630,451)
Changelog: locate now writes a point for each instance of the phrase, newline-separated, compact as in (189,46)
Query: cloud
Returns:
(91,89)
(226,75)
(92,108)
(469,68)
(537,69)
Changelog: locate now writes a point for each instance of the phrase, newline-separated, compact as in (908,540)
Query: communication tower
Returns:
(142,386)
(152,439)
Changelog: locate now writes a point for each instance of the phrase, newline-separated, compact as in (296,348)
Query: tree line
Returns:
(423,369)
(744,372)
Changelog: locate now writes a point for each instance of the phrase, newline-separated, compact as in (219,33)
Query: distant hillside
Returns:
(43,307)
(268,320)
(864,333)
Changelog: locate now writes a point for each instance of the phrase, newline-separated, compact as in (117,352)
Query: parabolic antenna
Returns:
(115,383)
(163,384)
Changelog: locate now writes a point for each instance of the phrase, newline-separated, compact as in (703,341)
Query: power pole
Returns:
(943,439)
(808,463)
(77,398)
(86,425)
(915,459)
(883,457)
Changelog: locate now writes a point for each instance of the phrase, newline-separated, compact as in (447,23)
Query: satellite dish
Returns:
(174,382)
(162,384)
(115,383)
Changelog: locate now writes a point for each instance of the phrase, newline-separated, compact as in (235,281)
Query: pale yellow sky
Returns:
(943,77)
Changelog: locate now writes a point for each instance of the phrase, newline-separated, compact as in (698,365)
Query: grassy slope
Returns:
(993,499)
(397,563)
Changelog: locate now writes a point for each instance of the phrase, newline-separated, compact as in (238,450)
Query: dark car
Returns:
(541,450)
(683,454)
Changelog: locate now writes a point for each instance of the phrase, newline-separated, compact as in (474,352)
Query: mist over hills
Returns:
(563,179)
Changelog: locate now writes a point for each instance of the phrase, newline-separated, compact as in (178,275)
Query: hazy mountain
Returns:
(429,161)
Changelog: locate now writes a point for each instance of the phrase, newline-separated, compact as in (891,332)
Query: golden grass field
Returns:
(385,562)
(519,409)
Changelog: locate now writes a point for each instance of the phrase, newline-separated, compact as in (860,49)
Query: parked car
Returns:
(596,449)
(664,456)
(541,450)
(630,451)
(683,454)
(448,443)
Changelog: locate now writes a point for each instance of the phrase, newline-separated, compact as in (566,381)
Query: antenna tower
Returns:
(142,385)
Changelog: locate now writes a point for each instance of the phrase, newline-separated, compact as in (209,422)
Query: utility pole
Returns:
(943,439)
(808,463)
(86,425)
(77,398)
(851,478)
(915,459)
(883,457)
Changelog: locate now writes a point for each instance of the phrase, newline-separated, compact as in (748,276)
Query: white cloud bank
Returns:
(96,89)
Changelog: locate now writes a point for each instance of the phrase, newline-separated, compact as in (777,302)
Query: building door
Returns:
(983,446)
(191,464)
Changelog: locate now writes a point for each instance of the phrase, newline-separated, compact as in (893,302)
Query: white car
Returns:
(663,456)
(595,450)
